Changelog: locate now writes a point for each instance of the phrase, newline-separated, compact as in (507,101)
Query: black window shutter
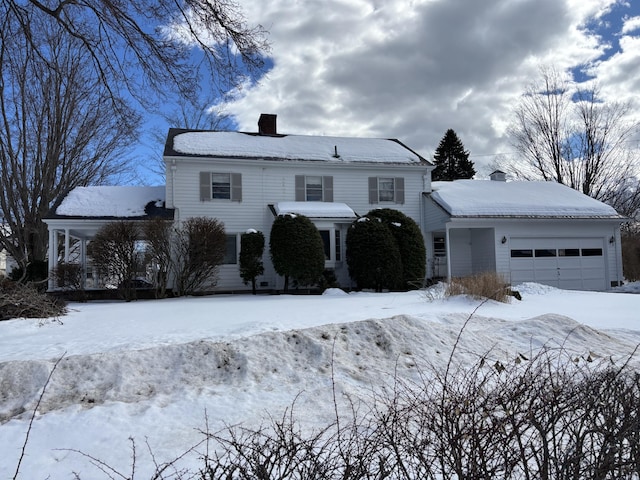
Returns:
(373,189)
(327,189)
(236,187)
(399,190)
(300,189)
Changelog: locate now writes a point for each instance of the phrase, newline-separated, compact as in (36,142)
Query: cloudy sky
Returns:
(411,69)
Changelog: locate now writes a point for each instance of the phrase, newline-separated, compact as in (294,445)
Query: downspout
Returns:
(617,244)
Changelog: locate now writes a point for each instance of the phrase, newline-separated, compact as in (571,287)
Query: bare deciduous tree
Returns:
(571,136)
(115,250)
(59,130)
(158,233)
(66,67)
(149,44)
(199,246)
(200,112)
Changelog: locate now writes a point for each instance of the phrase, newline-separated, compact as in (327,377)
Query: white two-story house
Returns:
(246,179)
(526,231)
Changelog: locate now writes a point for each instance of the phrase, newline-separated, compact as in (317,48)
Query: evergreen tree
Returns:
(373,256)
(251,250)
(451,159)
(297,250)
(410,243)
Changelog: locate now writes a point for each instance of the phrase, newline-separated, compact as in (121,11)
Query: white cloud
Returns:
(631,25)
(411,69)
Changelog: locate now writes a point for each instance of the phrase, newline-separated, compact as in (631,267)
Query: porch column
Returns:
(83,263)
(53,257)
(67,242)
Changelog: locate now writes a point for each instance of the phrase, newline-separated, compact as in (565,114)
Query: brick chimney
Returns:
(267,124)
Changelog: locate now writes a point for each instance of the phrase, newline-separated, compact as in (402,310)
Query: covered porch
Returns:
(84,211)
(463,251)
(332,220)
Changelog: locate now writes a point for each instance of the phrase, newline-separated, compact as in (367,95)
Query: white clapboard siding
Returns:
(265,183)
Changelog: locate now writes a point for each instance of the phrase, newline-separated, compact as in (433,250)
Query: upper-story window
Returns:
(386,190)
(314,188)
(220,186)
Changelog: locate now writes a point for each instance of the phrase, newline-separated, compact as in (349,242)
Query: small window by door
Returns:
(439,246)
(326,240)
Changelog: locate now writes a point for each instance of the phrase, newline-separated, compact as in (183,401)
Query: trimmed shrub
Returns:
(68,276)
(373,256)
(297,250)
(251,250)
(410,241)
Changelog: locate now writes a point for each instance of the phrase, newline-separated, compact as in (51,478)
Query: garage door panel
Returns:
(570,274)
(595,284)
(521,277)
(567,284)
(548,277)
(591,273)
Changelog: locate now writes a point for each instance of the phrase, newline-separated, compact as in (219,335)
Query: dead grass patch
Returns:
(489,285)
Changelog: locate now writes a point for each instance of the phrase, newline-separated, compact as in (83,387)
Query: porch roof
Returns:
(518,199)
(113,202)
(331,210)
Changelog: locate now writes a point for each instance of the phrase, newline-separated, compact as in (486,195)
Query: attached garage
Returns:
(568,263)
(539,232)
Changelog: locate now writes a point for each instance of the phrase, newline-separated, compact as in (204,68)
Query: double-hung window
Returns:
(220,186)
(386,190)
(314,188)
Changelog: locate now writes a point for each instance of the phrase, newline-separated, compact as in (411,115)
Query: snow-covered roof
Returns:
(487,198)
(316,209)
(289,147)
(111,201)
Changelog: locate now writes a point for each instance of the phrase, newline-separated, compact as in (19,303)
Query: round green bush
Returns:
(373,256)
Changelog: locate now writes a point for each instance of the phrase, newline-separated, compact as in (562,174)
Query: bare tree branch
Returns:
(148,44)
(571,136)
(59,130)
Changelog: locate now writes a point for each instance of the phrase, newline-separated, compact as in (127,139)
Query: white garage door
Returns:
(569,263)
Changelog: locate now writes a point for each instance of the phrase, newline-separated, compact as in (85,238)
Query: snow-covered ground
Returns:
(152,370)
